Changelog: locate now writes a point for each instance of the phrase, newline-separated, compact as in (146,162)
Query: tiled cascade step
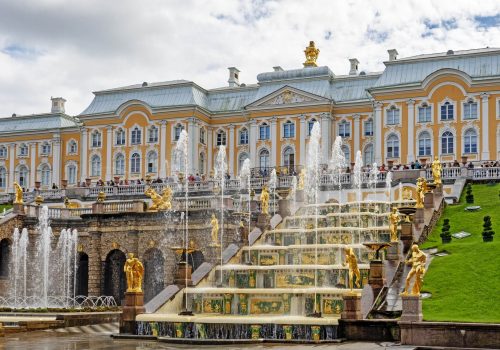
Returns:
(103,328)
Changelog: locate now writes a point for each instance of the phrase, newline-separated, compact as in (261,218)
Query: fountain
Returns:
(388,186)
(373,178)
(245,183)
(220,172)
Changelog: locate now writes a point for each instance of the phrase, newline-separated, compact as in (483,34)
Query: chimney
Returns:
(233,77)
(354,66)
(278,69)
(393,54)
(57,105)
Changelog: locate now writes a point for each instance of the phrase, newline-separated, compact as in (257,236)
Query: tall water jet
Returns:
(313,175)
(44,252)
(388,185)
(245,182)
(66,252)
(358,180)
(220,174)
(293,193)
(373,179)
(337,164)
(273,182)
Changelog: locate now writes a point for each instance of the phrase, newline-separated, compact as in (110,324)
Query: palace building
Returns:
(444,104)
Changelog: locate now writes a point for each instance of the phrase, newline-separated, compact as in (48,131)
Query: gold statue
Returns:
(417,262)
(302,179)
(134,271)
(215,231)
(101,197)
(436,170)
(70,205)
(160,202)
(352,262)
(393,224)
(311,55)
(264,201)
(421,187)
(19,194)
(407,194)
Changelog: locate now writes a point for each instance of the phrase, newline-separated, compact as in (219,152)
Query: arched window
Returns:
(23,150)
(368,156)
(392,116)
(201,163)
(424,144)
(135,163)
(221,138)
(447,143)
(244,136)
(264,132)
(3,177)
(45,175)
(241,160)
(95,165)
(347,153)
(23,176)
(72,147)
(96,139)
(136,136)
(310,125)
(45,148)
(120,164)
(264,160)
(120,137)
(393,146)
(470,110)
(470,141)
(345,129)
(3,152)
(288,129)
(447,111)
(71,174)
(289,159)
(152,162)
(153,134)
(4,258)
(369,127)
(177,131)
(424,113)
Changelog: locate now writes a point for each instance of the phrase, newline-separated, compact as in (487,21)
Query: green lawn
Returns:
(465,285)
(4,206)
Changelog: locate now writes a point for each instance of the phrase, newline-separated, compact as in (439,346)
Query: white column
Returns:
(210,149)
(109,147)
(12,155)
(192,146)
(302,141)
(252,139)
(83,155)
(32,163)
(410,130)
(325,137)
(377,126)
(357,134)
(274,143)
(485,150)
(231,150)
(56,160)
(163,149)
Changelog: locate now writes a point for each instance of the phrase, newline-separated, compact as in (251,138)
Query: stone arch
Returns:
(82,274)
(115,284)
(154,273)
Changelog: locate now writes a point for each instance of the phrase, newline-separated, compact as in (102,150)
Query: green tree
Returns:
(469,198)
(445,231)
(487,230)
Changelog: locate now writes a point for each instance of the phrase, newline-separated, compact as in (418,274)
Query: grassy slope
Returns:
(465,285)
(6,206)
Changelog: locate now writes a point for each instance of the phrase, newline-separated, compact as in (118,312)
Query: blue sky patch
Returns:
(487,21)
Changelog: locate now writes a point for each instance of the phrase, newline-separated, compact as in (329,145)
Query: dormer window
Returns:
(470,110)
(392,116)
(136,136)
(289,130)
(447,111)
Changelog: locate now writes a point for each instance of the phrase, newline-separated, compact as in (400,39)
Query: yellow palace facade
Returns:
(445,105)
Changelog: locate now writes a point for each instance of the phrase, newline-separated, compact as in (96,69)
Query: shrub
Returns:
(469,198)
(445,231)
(487,231)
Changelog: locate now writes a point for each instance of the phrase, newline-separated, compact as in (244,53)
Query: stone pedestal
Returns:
(412,308)
(184,271)
(284,208)
(134,305)
(429,200)
(438,191)
(2,332)
(418,218)
(299,195)
(227,203)
(376,275)
(407,235)
(18,208)
(352,307)
(97,208)
(394,251)
(264,222)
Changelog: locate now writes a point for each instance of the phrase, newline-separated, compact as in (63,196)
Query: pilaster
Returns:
(83,154)
(109,147)
(231,150)
(377,126)
(485,150)
(325,137)
(357,132)
(163,149)
(12,155)
(274,140)
(302,142)
(32,163)
(56,160)
(253,142)
(411,131)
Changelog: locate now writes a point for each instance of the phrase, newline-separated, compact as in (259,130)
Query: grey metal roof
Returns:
(477,64)
(349,89)
(38,122)
(225,101)
(302,73)
(317,87)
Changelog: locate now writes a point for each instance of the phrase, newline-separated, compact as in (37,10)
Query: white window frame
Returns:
(176,131)
(344,129)
(467,114)
(428,107)
(3,152)
(395,151)
(454,110)
(153,134)
(429,140)
(368,131)
(267,131)
(95,171)
(243,136)
(3,177)
(96,139)
(310,125)
(393,114)
(203,136)
(447,143)
(135,163)
(45,149)
(120,137)
(290,134)
(21,152)
(119,169)
(467,141)
(221,138)
(71,181)
(136,135)
(154,167)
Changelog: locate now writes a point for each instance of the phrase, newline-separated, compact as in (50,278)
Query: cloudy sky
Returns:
(70,48)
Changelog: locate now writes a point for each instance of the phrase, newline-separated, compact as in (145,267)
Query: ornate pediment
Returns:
(287,96)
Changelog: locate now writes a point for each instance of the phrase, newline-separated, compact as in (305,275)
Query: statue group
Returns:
(134,272)
(160,202)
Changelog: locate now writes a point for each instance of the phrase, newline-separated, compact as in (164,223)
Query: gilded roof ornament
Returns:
(311,55)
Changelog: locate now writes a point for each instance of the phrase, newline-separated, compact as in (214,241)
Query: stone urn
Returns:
(423,161)
(117,179)
(64,183)
(464,160)
(37,185)
(88,181)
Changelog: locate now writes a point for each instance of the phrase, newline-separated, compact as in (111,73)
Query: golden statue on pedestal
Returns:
(264,201)
(352,262)
(160,202)
(215,231)
(302,179)
(393,224)
(407,194)
(311,55)
(19,194)
(421,187)
(417,262)
(436,170)
(134,271)
(101,197)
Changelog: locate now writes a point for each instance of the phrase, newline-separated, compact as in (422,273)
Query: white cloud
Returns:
(70,48)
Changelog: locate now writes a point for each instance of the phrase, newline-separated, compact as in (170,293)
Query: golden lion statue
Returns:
(160,202)
(70,205)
